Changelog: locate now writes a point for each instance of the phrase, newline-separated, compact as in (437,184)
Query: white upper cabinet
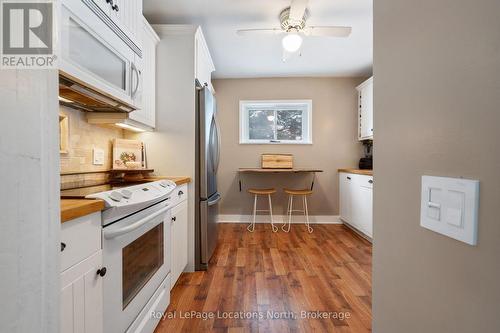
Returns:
(127,14)
(204,65)
(365,110)
(130,16)
(146,92)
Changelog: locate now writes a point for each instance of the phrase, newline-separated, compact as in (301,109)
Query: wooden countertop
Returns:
(261,170)
(177,180)
(74,208)
(358,171)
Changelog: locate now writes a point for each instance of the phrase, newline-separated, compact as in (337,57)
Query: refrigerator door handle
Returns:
(218,142)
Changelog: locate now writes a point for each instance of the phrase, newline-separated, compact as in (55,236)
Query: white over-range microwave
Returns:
(100,65)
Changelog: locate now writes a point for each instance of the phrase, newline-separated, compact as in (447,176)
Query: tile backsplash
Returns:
(83,138)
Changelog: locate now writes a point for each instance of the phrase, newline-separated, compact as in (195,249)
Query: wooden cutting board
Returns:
(277,161)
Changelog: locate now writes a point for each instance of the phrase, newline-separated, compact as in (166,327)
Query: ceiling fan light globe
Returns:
(292,42)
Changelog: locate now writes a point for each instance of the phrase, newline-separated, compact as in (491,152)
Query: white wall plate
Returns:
(449,206)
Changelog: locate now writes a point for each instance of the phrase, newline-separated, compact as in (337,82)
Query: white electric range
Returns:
(135,242)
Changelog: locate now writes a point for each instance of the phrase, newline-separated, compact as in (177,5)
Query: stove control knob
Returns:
(116,196)
(126,194)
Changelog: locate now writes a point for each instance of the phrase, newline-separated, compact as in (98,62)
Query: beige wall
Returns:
(334,145)
(437,97)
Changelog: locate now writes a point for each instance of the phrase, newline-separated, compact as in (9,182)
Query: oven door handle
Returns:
(109,234)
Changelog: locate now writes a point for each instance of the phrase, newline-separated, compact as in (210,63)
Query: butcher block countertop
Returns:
(358,171)
(75,208)
(177,180)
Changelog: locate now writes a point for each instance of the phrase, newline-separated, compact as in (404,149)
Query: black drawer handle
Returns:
(174,219)
(370,181)
(180,193)
(63,246)
(101,271)
(349,178)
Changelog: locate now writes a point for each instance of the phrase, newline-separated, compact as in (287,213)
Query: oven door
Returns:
(136,255)
(94,55)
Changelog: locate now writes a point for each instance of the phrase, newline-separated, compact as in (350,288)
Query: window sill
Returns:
(275,143)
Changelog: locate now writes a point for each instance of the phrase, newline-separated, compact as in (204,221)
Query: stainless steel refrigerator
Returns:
(208,158)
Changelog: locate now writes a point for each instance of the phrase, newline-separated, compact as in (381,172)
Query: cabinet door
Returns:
(128,15)
(345,183)
(179,240)
(104,6)
(203,61)
(147,114)
(366,110)
(365,210)
(361,197)
(117,11)
(81,305)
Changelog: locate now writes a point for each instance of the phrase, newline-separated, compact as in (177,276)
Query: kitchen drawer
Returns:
(365,181)
(179,195)
(80,238)
(361,180)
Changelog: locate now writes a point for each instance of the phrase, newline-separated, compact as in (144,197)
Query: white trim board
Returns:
(264,218)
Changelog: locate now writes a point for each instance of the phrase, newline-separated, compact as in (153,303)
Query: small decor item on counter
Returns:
(127,154)
(133,165)
(277,161)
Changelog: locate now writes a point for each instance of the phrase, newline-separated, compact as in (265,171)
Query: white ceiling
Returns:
(238,57)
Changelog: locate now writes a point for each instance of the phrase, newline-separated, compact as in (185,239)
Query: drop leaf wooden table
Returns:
(282,171)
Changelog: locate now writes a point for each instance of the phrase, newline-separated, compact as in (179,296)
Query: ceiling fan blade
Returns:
(272,31)
(298,9)
(333,31)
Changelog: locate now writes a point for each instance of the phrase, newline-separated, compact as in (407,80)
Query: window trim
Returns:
(244,130)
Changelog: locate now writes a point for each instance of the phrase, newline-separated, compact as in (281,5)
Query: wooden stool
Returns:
(256,193)
(291,193)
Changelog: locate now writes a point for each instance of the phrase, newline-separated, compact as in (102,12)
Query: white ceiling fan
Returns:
(293,27)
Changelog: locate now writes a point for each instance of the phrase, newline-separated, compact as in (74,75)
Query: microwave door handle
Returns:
(109,234)
(136,72)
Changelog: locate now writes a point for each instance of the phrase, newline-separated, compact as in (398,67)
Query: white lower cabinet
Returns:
(81,297)
(179,247)
(356,201)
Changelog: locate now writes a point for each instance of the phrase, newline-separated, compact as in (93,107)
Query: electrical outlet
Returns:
(98,156)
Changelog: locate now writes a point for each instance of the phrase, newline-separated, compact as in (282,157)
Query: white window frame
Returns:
(305,105)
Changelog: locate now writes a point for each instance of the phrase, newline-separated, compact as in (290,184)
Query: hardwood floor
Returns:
(254,274)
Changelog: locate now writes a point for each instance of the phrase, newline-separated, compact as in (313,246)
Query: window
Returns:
(275,122)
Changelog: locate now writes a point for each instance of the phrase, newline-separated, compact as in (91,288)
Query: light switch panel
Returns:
(450,206)
(98,156)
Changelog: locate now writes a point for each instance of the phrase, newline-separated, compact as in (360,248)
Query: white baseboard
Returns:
(313,219)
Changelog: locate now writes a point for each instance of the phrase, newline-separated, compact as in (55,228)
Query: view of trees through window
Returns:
(275,124)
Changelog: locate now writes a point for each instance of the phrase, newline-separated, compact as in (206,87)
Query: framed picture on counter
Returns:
(127,154)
